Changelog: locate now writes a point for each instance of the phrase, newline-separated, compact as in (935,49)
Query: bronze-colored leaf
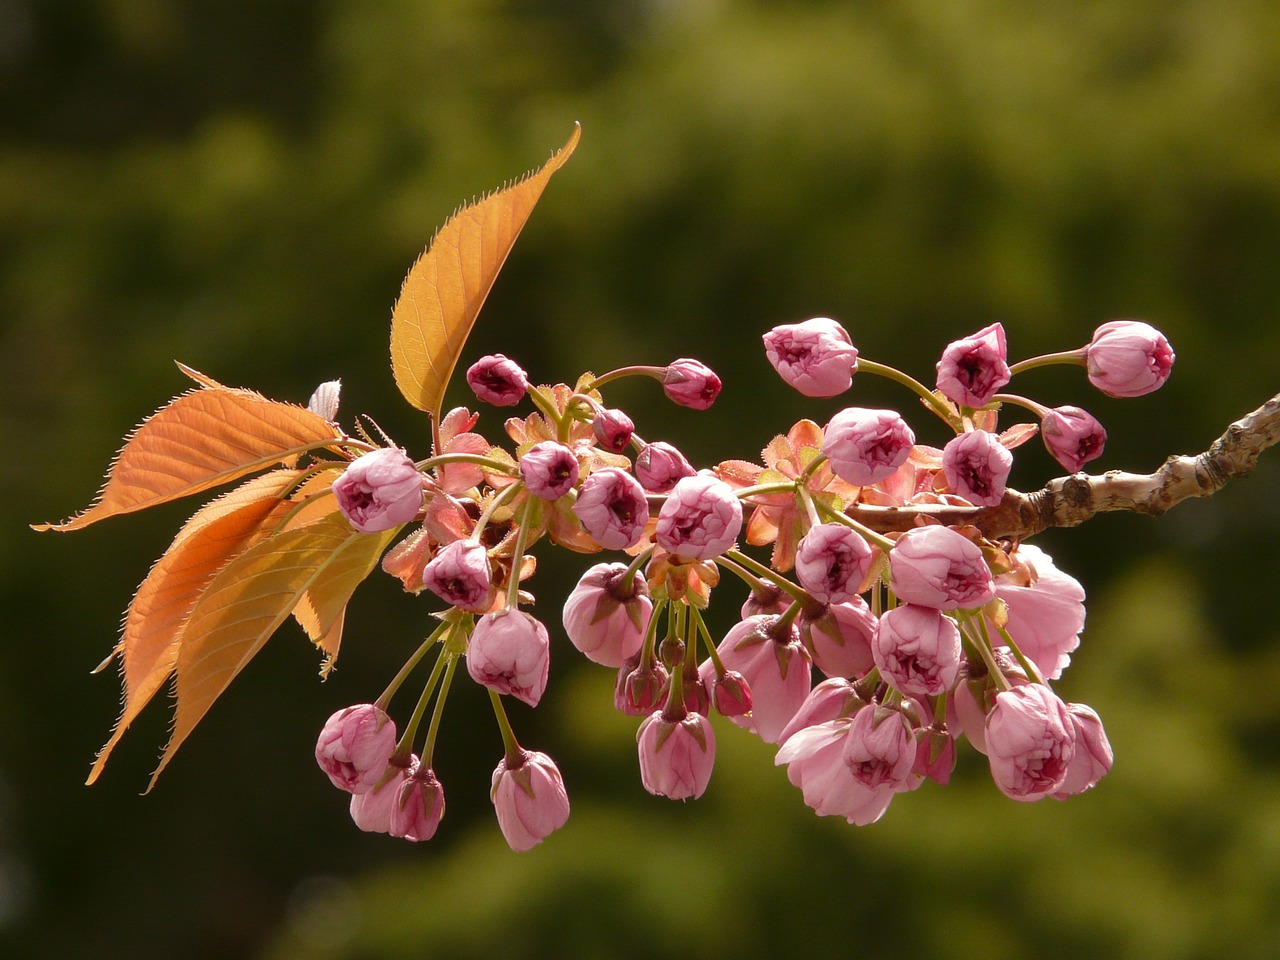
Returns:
(446,287)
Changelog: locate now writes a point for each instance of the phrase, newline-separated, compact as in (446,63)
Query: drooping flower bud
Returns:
(355,745)
(676,757)
(1072,437)
(865,446)
(731,694)
(529,799)
(509,652)
(605,619)
(700,519)
(613,430)
(549,470)
(659,466)
(880,749)
(973,369)
(459,574)
(815,763)
(936,567)
(371,811)
(816,356)
(833,699)
(1128,358)
(977,467)
(1030,742)
(776,667)
(838,637)
(1093,756)
(917,649)
(612,508)
(690,383)
(935,756)
(639,687)
(832,561)
(380,490)
(497,380)
(418,807)
(765,598)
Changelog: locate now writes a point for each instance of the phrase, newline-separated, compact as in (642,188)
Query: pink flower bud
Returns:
(880,749)
(613,430)
(371,811)
(833,699)
(1030,742)
(612,508)
(418,807)
(731,694)
(917,649)
(1045,609)
(497,380)
(1093,756)
(973,369)
(765,598)
(832,561)
(977,467)
(816,356)
(639,687)
(529,799)
(700,519)
(549,470)
(936,567)
(676,757)
(1128,358)
(775,666)
(380,490)
(815,763)
(509,652)
(935,756)
(459,574)
(355,745)
(660,465)
(690,383)
(838,637)
(865,446)
(604,619)
(1072,437)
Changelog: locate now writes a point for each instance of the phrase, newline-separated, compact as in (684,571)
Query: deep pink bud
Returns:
(1128,358)
(977,467)
(700,519)
(880,749)
(1045,609)
(816,356)
(775,666)
(418,806)
(936,567)
(509,652)
(676,757)
(832,561)
(639,687)
(973,369)
(865,446)
(549,470)
(838,637)
(1030,742)
(355,745)
(731,694)
(1093,756)
(690,383)
(497,380)
(935,756)
(660,465)
(459,574)
(529,799)
(917,649)
(371,811)
(1072,437)
(613,430)
(379,490)
(815,763)
(604,619)
(612,508)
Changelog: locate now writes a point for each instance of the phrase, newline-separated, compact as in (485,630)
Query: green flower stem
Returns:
(1026,664)
(297,507)
(651,633)
(633,568)
(811,469)
(738,558)
(405,745)
(1074,357)
(287,491)
(835,516)
(940,709)
(983,645)
(927,395)
(496,466)
(517,557)
(496,502)
(385,700)
(642,371)
(807,499)
(1039,409)
(779,486)
(514,752)
(547,410)
(706,638)
(428,751)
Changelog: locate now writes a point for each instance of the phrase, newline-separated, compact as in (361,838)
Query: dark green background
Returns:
(241,185)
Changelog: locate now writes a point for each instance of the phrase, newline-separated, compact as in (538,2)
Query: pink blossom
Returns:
(1030,742)
(731,694)
(815,763)
(459,575)
(1093,756)
(776,667)
(1045,609)
(549,470)
(660,465)
(936,567)
(816,356)
(865,446)
(639,686)
(977,467)
(371,811)
(690,383)
(1128,358)
(379,491)
(917,649)
(832,561)
(833,699)
(529,799)
(880,749)
(765,598)
(612,508)
(509,652)
(613,430)
(700,519)
(603,618)
(973,369)
(355,745)
(1072,437)
(838,637)
(935,756)
(497,380)
(676,756)
(418,807)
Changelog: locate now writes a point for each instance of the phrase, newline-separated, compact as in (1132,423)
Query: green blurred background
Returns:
(242,184)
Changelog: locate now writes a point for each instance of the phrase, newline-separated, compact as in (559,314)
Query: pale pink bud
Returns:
(936,567)
(880,749)
(1128,358)
(834,698)
(418,806)
(459,574)
(1030,742)
(355,745)
(731,694)
(613,430)
(973,369)
(509,652)
(371,811)
(612,508)
(497,380)
(1045,609)
(1093,756)
(977,467)
(832,561)
(838,637)
(700,519)
(676,757)
(690,383)
(776,667)
(865,446)
(816,356)
(935,756)
(380,490)
(605,619)
(660,465)
(1072,437)
(917,649)
(639,687)
(529,799)
(815,763)
(549,470)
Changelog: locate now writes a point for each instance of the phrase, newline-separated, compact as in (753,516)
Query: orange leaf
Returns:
(446,287)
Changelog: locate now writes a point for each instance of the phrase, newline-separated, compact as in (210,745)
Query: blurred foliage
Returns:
(242,185)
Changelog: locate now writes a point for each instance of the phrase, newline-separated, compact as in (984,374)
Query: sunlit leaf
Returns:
(446,287)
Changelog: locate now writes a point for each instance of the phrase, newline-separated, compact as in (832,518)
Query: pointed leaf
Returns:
(321,609)
(446,287)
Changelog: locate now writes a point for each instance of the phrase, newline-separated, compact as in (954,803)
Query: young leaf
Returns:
(199,440)
(446,287)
